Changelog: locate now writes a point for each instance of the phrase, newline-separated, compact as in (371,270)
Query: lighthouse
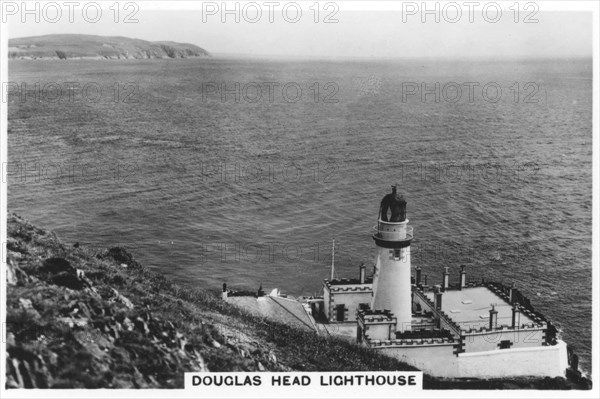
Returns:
(392,277)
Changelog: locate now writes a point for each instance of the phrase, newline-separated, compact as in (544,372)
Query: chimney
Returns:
(425,279)
(463,277)
(493,318)
(575,362)
(224,294)
(438,298)
(363,272)
(260,291)
(418,277)
(446,279)
(515,315)
(510,292)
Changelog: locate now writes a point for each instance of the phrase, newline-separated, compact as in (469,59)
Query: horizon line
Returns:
(225,54)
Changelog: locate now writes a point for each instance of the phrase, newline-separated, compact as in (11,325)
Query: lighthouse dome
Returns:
(393,207)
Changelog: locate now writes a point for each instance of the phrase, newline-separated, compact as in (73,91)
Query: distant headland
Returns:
(74,46)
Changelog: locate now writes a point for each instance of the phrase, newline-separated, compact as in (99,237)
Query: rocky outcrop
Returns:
(72,321)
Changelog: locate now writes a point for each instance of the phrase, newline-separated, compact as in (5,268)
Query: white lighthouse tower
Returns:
(392,278)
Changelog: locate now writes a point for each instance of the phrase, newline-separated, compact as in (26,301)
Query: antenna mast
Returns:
(332,259)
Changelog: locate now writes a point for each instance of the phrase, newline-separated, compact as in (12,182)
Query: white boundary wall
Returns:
(439,361)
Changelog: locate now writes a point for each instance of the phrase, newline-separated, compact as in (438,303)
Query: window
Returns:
(339,312)
(396,254)
(506,344)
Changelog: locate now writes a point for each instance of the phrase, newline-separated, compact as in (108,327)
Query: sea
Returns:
(269,171)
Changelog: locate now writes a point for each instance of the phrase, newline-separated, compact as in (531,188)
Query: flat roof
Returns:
(470,307)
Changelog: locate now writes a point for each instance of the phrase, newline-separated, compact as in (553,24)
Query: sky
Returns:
(365,33)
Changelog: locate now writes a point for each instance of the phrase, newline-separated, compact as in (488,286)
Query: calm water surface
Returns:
(252,190)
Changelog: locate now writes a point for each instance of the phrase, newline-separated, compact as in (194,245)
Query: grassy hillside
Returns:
(81,318)
(97,47)
(78,317)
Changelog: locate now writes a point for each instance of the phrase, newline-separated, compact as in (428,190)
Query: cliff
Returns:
(72,46)
(77,317)
(83,318)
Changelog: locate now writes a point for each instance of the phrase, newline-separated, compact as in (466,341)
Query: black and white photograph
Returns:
(324,199)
